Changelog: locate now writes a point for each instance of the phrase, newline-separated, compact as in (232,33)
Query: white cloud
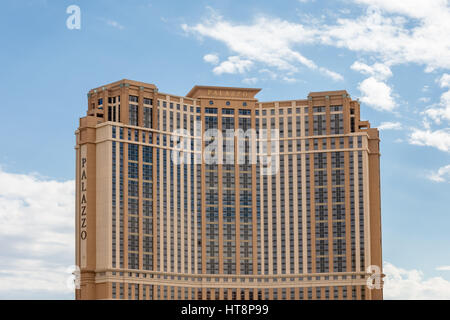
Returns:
(441,175)
(443,268)
(272,75)
(115,24)
(424,99)
(211,58)
(234,64)
(444,81)
(445,99)
(377,94)
(378,70)
(441,111)
(426,124)
(331,74)
(37,234)
(391,32)
(289,80)
(439,139)
(413,8)
(385,32)
(401,284)
(32,277)
(268,41)
(250,80)
(390,126)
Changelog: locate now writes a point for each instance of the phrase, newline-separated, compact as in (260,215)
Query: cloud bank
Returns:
(37,235)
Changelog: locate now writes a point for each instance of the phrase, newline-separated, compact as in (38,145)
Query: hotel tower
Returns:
(290,212)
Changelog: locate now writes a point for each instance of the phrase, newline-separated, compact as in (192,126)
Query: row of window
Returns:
(154,292)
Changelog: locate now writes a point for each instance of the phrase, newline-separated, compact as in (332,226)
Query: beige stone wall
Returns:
(94,142)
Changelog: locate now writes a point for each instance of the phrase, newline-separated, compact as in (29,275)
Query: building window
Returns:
(211,110)
(227,111)
(245,112)
(133,115)
(133,152)
(147,117)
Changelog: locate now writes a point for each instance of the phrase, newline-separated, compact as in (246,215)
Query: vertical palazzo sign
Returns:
(83,206)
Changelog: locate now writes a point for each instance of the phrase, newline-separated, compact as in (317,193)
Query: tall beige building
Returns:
(150,228)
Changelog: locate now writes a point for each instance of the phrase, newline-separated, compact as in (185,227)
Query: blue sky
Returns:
(393,56)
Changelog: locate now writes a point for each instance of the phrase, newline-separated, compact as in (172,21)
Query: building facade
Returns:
(149,227)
